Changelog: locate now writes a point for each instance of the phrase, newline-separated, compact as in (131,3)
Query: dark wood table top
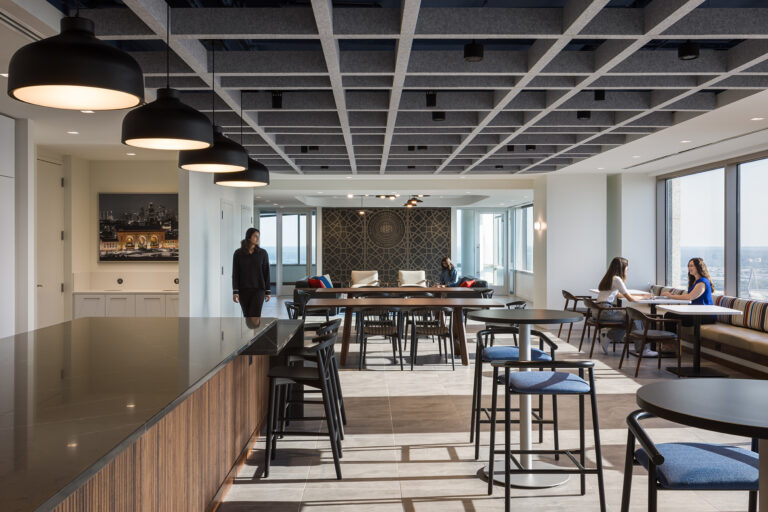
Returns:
(400,302)
(526,316)
(731,406)
(399,289)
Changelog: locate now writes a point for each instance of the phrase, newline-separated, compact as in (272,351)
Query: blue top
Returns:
(705,299)
(449,277)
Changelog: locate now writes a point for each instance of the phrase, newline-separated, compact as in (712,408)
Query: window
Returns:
(695,226)
(524,238)
(753,235)
(268,234)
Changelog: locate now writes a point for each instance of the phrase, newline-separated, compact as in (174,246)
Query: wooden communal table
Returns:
(457,304)
(400,290)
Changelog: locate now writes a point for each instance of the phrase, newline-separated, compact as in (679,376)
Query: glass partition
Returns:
(753,235)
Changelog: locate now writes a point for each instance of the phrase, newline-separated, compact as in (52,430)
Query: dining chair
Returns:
(688,466)
(599,318)
(571,304)
(411,278)
(318,377)
(486,352)
(432,322)
(383,322)
(362,278)
(648,334)
(553,382)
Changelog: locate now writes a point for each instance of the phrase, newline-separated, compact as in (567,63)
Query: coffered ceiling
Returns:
(353,76)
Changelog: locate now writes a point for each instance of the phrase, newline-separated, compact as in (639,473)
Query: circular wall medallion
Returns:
(386,229)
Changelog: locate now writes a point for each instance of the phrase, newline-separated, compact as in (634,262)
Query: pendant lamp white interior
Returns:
(75,71)
(167,123)
(225,155)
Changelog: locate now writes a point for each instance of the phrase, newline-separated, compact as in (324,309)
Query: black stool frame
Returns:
(509,454)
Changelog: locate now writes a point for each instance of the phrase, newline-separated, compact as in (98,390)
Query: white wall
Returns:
(575,235)
(8,216)
(524,285)
(613,217)
(25,176)
(199,238)
(638,228)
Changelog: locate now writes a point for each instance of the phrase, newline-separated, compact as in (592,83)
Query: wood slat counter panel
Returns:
(179,463)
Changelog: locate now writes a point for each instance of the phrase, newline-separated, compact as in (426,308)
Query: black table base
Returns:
(702,371)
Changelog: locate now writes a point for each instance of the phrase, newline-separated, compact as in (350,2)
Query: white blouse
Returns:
(617,286)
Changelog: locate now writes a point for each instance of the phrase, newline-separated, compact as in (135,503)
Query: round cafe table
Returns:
(524,318)
(731,406)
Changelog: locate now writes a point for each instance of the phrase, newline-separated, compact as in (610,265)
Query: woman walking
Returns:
(250,275)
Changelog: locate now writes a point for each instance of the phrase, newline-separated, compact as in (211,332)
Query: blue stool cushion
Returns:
(701,466)
(509,353)
(546,383)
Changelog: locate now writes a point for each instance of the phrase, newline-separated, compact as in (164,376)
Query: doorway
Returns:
(289,237)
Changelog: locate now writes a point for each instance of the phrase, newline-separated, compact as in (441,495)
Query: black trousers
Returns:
(251,301)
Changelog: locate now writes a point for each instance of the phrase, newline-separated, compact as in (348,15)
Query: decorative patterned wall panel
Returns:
(385,239)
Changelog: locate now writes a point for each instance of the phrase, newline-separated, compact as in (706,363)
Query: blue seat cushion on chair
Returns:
(546,383)
(509,353)
(702,466)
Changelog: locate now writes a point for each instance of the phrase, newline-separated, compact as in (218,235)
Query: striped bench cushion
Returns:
(755,312)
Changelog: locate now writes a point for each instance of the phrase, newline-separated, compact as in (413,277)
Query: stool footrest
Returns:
(580,469)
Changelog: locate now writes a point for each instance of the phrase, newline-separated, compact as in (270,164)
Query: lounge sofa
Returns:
(743,336)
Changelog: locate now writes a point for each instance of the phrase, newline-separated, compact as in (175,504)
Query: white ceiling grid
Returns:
(354,79)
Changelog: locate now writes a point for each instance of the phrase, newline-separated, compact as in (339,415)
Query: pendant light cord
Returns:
(168,46)
(213,83)
(241,117)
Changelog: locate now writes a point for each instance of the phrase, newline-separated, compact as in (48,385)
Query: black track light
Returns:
(583,115)
(304,149)
(510,148)
(411,166)
(411,148)
(473,52)
(499,166)
(688,50)
(599,95)
(438,116)
(431,99)
(314,148)
(530,147)
(422,148)
(277,99)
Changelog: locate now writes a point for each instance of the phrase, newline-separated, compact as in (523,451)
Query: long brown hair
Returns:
(701,268)
(448,261)
(618,267)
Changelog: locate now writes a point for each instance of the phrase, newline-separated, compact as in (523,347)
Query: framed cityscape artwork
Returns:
(138,227)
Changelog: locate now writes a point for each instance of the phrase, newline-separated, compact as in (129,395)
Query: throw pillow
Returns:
(467,284)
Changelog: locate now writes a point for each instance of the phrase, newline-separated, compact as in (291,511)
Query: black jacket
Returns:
(250,270)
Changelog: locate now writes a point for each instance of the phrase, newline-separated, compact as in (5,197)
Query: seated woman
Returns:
(700,290)
(611,286)
(449,276)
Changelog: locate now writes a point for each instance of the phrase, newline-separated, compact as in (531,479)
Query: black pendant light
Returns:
(225,155)
(167,123)
(688,51)
(256,175)
(473,52)
(583,115)
(75,71)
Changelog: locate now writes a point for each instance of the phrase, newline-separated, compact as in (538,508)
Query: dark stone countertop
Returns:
(76,394)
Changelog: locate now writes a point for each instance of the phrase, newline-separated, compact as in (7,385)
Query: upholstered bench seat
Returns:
(739,337)
(700,466)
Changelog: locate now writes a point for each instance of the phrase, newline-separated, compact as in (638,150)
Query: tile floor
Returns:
(407,446)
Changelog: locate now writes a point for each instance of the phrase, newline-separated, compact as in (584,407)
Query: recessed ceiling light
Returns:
(319,192)
(462,177)
(685,141)
(131,154)
(258,197)
(274,204)
(348,177)
(635,156)
(87,111)
(72,445)
(73,133)
(350,196)
(466,192)
(757,119)
(599,169)
(130,405)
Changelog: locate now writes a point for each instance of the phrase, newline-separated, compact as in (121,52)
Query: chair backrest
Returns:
(364,278)
(323,348)
(568,295)
(636,314)
(331,326)
(515,304)
(428,318)
(411,278)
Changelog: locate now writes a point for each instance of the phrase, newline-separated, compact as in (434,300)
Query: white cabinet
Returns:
(89,304)
(120,305)
(172,305)
(150,305)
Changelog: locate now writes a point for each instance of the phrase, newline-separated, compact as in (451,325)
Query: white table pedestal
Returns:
(533,481)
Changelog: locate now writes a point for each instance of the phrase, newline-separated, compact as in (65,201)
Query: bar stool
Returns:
(487,354)
(569,297)
(545,383)
(318,377)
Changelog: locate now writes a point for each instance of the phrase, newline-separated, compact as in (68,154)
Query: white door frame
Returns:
(502,288)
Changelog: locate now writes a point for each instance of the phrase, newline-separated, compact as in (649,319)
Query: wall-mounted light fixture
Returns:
(539,226)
